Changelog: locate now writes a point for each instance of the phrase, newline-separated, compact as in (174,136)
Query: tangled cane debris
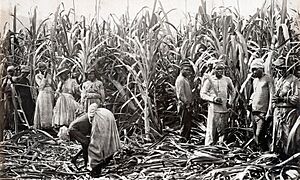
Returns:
(34,154)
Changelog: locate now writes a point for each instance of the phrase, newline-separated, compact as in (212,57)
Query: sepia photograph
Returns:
(150,89)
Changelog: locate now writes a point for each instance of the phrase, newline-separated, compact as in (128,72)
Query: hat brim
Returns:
(62,72)
(257,67)
(280,62)
(280,65)
(219,66)
(90,71)
(41,69)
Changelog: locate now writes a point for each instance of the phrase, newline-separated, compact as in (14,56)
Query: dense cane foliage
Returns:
(138,58)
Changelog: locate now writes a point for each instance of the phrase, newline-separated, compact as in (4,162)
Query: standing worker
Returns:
(65,108)
(92,91)
(286,99)
(261,103)
(184,97)
(45,99)
(8,102)
(296,128)
(219,91)
(22,86)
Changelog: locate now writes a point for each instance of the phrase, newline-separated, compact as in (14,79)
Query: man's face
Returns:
(63,76)
(297,73)
(43,70)
(10,72)
(219,71)
(186,71)
(257,72)
(75,74)
(91,76)
(210,66)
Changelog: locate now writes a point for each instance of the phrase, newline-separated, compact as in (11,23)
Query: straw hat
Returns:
(25,69)
(41,66)
(92,70)
(62,71)
(185,63)
(280,62)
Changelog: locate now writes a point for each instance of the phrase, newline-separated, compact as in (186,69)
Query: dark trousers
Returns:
(186,122)
(83,140)
(9,111)
(96,171)
(28,107)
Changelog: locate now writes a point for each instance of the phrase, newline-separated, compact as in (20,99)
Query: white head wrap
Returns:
(219,64)
(257,63)
(10,68)
(211,60)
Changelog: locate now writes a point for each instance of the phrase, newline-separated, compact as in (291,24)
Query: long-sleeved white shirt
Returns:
(222,88)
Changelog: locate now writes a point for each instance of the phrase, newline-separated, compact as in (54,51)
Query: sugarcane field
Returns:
(153,89)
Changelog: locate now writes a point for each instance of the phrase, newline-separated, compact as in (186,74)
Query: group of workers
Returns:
(274,103)
(83,119)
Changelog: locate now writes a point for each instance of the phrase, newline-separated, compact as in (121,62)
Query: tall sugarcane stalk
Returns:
(146,47)
(14,33)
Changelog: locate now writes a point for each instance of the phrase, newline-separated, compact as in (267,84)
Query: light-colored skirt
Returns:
(44,109)
(65,109)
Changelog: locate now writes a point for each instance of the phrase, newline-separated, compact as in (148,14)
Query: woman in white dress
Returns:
(92,91)
(45,100)
(65,108)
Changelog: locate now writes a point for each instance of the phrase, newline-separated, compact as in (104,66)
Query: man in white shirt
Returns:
(216,90)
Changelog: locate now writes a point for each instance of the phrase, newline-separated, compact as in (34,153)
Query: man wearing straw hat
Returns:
(286,99)
(184,96)
(216,90)
(261,102)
